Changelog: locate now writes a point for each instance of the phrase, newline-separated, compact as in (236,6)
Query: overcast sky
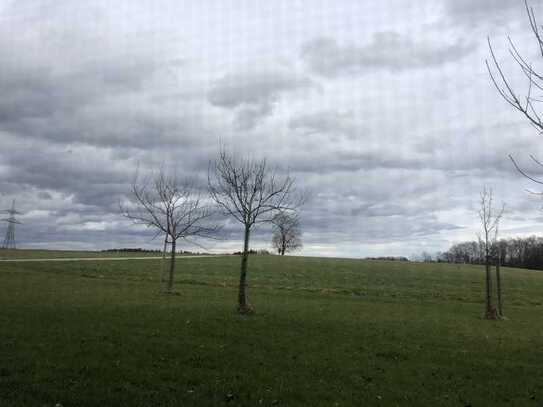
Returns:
(382,109)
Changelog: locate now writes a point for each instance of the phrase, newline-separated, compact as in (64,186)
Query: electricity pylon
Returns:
(9,240)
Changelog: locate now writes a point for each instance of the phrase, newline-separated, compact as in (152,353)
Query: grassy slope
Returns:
(326,332)
(55,254)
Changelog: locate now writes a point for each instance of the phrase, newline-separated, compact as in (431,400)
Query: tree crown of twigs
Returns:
(170,205)
(249,190)
(490,219)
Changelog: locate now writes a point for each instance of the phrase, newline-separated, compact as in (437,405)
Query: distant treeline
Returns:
(518,252)
(388,258)
(130,250)
(140,250)
(262,252)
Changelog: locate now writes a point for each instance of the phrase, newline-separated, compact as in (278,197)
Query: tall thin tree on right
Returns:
(490,221)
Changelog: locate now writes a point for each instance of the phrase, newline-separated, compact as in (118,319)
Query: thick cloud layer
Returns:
(253,94)
(386,50)
(383,111)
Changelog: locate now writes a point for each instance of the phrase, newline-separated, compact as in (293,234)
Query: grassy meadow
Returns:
(327,332)
(6,254)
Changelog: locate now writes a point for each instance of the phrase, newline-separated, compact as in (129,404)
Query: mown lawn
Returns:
(327,332)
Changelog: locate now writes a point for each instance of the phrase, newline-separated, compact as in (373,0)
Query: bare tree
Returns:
(251,193)
(286,232)
(528,102)
(490,220)
(426,257)
(173,207)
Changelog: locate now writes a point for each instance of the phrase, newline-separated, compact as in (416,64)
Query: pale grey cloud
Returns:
(336,124)
(479,11)
(386,50)
(252,95)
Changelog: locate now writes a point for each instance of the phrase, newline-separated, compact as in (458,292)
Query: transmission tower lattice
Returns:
(9,240)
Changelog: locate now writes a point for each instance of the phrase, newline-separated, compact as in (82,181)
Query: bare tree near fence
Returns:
(286,232)
(171,206)
(490,220)
(250,192)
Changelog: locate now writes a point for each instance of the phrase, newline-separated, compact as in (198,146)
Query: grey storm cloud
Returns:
(68,78)
(91,91)
(98,105)
(481,10)
(399,225)
(482,18)
(386,50)
(252,95)
(329,122)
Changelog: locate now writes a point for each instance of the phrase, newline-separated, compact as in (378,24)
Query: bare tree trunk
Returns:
(172,267)
(490,311)
(283,249)
(243,305)
(499,285)
(251,193)
(162,265)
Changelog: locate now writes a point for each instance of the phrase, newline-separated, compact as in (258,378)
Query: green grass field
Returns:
(62,254)
(327,332)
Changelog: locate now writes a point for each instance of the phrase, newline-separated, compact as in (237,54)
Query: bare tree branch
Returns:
(528,104)
(173,207)
(523,172)
(251,193)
